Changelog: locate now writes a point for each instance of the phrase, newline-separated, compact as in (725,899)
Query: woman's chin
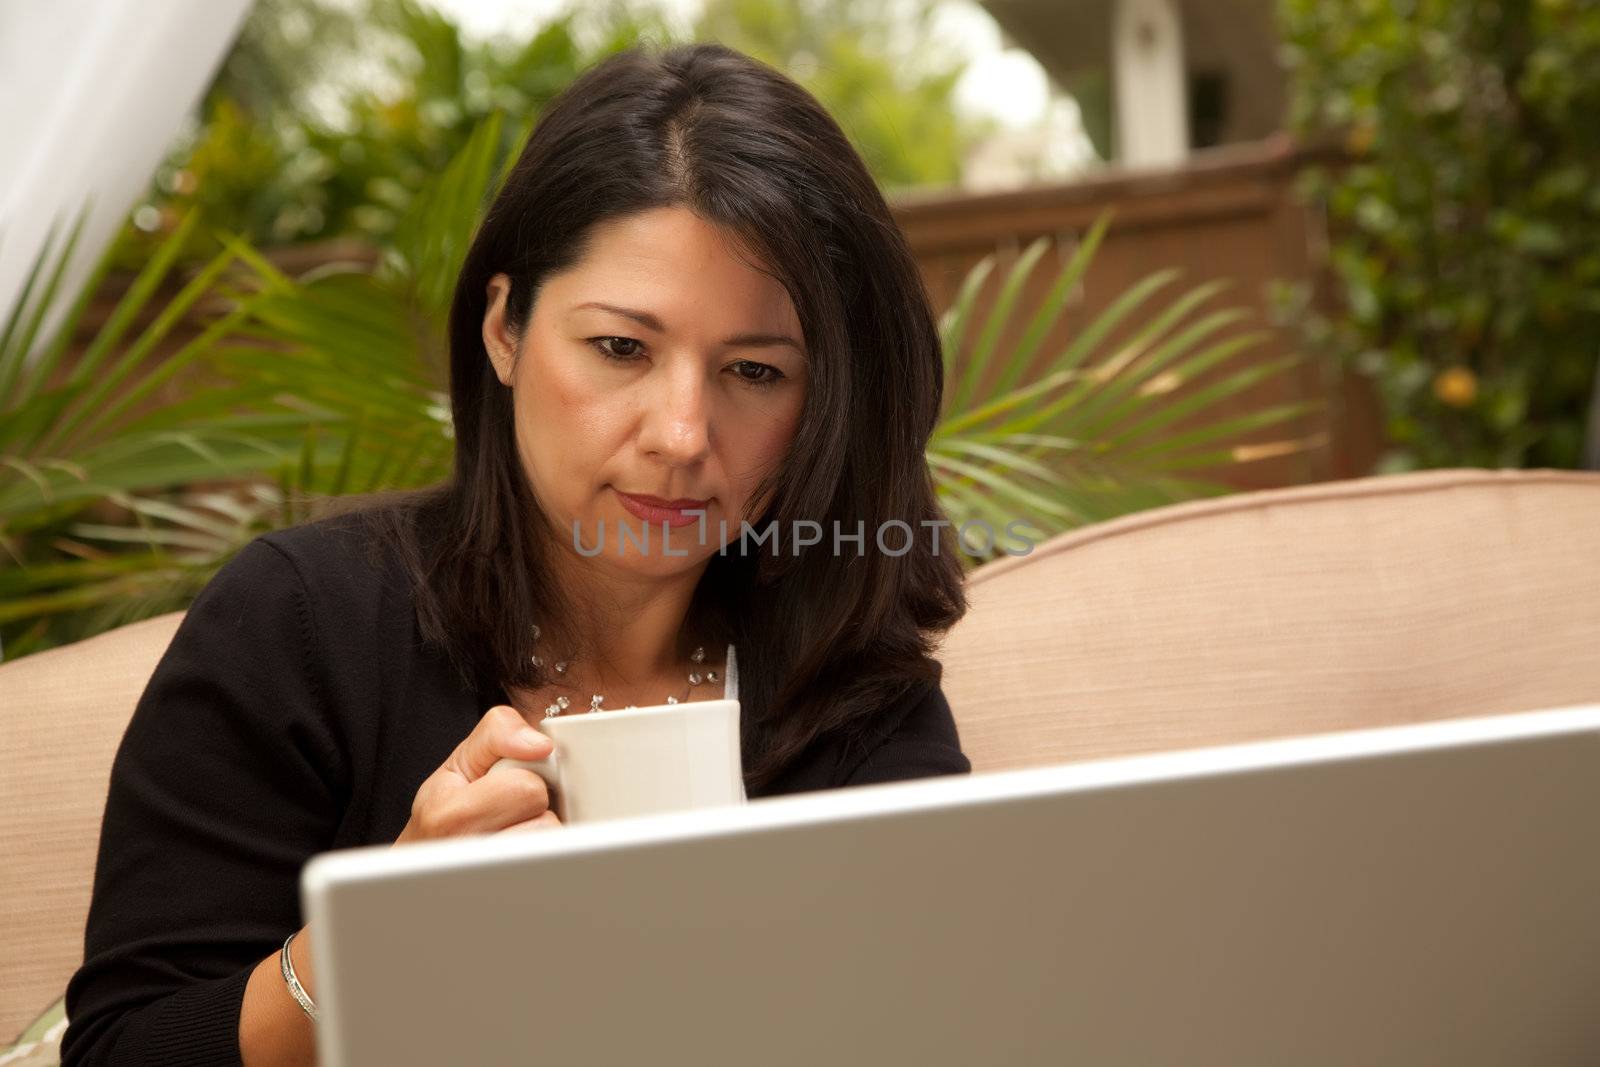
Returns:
(655,565)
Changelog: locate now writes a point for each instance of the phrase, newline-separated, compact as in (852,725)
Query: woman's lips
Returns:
(654,509)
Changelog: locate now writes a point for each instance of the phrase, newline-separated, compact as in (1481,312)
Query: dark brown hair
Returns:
(826,641)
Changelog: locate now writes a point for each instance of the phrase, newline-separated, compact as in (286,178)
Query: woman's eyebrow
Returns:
(649,321)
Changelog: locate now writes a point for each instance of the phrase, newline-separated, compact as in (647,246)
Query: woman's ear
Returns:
(498,340)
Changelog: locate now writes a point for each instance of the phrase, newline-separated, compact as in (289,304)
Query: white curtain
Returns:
(92,92)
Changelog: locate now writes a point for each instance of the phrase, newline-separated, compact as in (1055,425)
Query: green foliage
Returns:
(327,117)
(1091,435)
(329,131)
(878,69)
(319,386)
(83,433)
(1466,225)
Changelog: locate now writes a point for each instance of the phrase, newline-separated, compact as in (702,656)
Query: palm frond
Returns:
(1088,436)
(325,388)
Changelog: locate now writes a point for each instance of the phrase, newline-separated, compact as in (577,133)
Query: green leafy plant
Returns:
(315,387)
(81,436)
(879,68)
(291,150)
(1465,220)
(1089,439)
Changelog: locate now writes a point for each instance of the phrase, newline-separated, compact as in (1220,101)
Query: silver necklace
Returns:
(697,676)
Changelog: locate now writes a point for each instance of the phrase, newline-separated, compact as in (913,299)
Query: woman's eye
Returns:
(627,350)
(625,354)
(759,374)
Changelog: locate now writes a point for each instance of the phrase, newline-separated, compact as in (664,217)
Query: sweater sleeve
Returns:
(227,780)
(923,745)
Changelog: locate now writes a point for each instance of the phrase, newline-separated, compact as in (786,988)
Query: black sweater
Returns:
(296,711)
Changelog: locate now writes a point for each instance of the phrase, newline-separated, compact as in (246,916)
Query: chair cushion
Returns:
(65,712)
(1341,605)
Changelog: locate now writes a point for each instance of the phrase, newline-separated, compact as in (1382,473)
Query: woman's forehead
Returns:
(671,281)
(644,242)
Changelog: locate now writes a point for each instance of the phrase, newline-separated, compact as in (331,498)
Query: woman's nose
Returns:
(677,415)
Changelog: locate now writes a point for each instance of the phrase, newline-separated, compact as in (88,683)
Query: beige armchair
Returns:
(1340,605)
(1325,607)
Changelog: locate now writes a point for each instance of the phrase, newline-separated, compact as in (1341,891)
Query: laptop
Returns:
(1416,894)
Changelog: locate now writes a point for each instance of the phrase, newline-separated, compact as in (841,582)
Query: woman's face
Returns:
(662,365)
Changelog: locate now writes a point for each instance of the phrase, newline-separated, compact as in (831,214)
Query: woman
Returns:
(688,301)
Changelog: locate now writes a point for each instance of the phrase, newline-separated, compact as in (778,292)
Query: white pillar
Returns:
(1152,113)
(92,93)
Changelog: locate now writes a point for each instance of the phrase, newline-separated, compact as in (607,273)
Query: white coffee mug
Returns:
(639,761)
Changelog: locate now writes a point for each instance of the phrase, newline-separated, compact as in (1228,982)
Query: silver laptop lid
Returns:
(1417,894)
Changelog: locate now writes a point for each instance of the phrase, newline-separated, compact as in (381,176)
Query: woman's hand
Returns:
(464,797)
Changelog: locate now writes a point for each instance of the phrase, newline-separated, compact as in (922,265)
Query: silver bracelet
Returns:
(299,991)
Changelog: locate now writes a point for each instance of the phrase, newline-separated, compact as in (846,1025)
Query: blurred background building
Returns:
(1157,79)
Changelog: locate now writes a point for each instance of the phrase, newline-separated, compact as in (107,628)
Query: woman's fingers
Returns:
(506,795)
(544,822)
(473,792)
(501,732)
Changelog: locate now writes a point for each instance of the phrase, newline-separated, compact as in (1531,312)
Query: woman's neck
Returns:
(633,624)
